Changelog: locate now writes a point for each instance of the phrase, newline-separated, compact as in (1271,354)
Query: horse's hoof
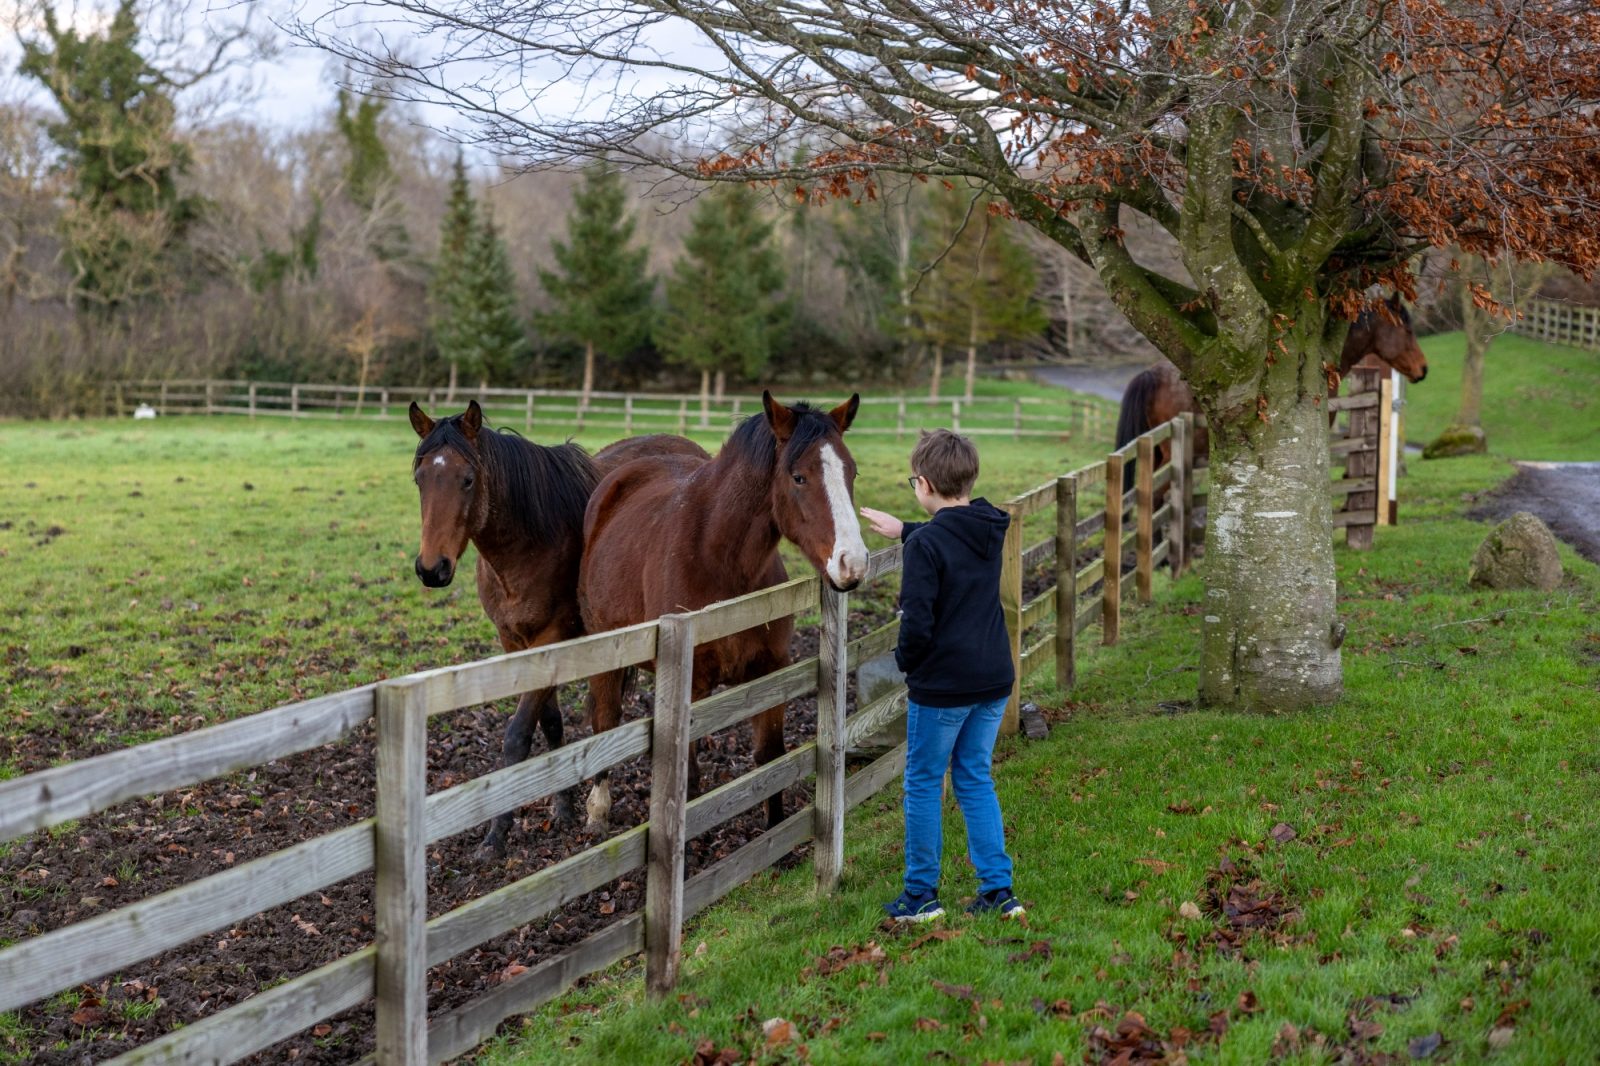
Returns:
(565,809)
(493,848)
(597,830)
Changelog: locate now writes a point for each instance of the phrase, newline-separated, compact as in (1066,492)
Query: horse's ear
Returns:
(419,421)
(1394,302)
(845,413)
(472,421)
(779,417)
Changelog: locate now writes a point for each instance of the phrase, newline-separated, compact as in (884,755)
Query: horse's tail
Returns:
(1135,416)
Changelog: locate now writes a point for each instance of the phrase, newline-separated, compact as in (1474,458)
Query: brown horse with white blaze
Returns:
(521,504)
(666,534)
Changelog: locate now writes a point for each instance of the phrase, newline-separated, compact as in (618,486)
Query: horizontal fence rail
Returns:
(622,412)
(1559,323)
(1068,547)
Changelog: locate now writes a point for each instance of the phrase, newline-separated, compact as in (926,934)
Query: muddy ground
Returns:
(1566,496)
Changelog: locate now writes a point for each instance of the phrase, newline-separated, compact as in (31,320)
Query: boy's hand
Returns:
(885,525)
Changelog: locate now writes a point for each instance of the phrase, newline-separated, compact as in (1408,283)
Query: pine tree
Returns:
(449,287)
(723,303)
(118,135)
(369,176)
(494,339)
(981,289)
(475,320)
(601,291)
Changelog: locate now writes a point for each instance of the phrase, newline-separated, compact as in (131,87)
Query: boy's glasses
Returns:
(912,481)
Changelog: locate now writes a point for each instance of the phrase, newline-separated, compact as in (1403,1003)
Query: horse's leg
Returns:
(605,712)
(565,807)
(518,742)
(769,746)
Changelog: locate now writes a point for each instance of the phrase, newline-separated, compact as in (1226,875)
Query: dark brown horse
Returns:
(1160,394)
(675,533)
(521,504)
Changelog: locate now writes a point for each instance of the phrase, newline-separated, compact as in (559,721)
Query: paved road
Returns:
(1565,495)
(1099,380)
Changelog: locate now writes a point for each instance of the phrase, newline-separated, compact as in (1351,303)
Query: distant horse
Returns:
(674,533)
(522,505)
(1160,394)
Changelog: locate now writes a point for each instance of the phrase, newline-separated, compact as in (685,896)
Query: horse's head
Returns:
(447,469)
(813,494)
(1395,343)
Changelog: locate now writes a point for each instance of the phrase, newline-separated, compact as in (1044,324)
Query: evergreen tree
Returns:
(723,303)
(600,289)
(981,288)
(118,136)
(449,288)
(369,176)
(493,341)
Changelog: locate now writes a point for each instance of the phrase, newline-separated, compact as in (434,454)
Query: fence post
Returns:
(527,415)
(955,415)
(1066,580)
(401,892)
(294,400)
(627,415)
(1191,437)
(831,677)
(1111,566)
(1387,443)
(900,419)
(683,416)
(1364,463)
(1144,504)
(383,403)
(163,400)
(252,399)
(1178,499)
(669,786)
(1011,606)
(1016,419)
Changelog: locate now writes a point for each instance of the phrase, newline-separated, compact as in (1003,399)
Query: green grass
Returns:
(1442,852)
(1540,401)
(204,568)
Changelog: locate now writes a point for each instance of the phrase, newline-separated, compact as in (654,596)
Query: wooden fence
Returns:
(1559,323)
(624,413)
(1087,531)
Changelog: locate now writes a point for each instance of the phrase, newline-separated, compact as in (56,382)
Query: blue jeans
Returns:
(962,739)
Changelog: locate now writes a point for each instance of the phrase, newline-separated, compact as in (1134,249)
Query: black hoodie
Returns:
(953,645)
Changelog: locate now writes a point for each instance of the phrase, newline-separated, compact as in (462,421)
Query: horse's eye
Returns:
(799,479)
(466,482)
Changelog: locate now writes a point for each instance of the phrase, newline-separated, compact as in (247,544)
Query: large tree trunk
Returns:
(588,373)
(938,371)
(720,384)
(1270,635)
(705,399)
(450,393)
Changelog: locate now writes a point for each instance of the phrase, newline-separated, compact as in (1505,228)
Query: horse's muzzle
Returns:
(1420,376)
(438,575)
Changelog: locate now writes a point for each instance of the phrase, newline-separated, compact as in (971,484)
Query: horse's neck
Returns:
(741,537)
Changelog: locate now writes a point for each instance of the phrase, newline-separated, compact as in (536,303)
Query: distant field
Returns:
(1540,401)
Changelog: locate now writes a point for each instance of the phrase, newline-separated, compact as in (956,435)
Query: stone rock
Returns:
(1520,553)
(1457,440)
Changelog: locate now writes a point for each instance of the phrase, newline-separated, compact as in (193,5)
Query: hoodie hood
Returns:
(980,525)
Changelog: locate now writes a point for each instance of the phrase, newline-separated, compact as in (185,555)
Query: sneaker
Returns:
(909,908)
(998,900)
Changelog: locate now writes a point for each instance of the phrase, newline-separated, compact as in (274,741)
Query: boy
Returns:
(957,661)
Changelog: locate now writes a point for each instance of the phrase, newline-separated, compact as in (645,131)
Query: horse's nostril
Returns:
(1422,375)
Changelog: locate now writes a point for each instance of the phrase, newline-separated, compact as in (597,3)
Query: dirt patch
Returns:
(143,847)
(1566,496)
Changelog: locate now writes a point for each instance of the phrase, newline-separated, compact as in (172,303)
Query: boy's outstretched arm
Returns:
(882,523)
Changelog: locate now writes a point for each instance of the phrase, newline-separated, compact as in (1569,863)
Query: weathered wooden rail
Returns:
(627,413)
(1559,323)
(1074,511)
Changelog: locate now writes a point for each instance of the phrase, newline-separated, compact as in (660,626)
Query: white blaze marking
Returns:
(438,460)
(849,559)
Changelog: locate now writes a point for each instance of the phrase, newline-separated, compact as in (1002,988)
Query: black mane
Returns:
(753,442)
(545,489)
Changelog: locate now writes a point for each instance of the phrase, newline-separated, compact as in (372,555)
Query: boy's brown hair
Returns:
(948,460)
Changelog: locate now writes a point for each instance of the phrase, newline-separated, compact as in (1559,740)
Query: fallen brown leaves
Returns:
(1247,905)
